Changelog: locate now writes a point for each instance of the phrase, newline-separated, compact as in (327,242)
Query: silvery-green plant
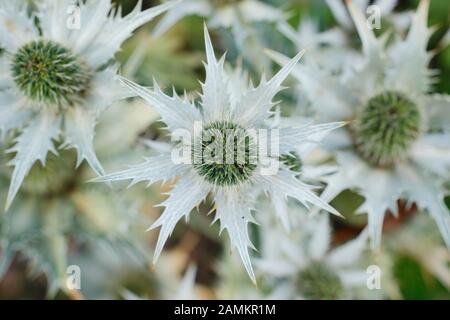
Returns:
(56,209)
(237,21)
(322,45)
(160,58)
(304,265)
(398,144)
(220,13)
(420,241)
(179,289)
(57,76)
(383,10)
(117,272)
(227,112)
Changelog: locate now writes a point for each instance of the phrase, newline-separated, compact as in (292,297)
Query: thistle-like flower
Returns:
(302,265)
(398,144)
(221,13)
(56,75)
(217,144)
(56,209)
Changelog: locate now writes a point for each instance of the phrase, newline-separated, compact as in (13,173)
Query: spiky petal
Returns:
(175,112)
(215,100)
(255,105)
(79,133)
(32,145)
(286,184)
(182,199)
(153,169)
(234,215)
(117,29)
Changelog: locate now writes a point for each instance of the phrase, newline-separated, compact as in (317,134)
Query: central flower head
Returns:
(386,128)
(46,72)
(225,154)
(319,281)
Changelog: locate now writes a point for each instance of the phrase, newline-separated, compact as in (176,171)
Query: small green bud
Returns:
(319,281)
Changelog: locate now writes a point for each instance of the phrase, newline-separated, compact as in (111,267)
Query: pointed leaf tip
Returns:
(287,69)
(210,56)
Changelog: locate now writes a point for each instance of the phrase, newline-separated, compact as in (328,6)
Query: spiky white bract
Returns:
(420,146)
(378,9)
(233,189)
(303,265)
(70,80)
(57,206)
(330,46)
(183,290)
(220,13)
(238,18)
(421,240)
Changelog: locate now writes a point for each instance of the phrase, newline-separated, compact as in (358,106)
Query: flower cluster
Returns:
(362,129)
(397,143)
(57,79)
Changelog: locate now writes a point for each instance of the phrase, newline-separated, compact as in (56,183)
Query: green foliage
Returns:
(347,202)
(415,283)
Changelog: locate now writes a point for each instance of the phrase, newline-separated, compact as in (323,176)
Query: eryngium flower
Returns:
(56,75)
(398,145)
(304,264)
(227,112)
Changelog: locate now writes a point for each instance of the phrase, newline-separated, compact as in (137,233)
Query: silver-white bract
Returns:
(94,42)
(403,67)
(383,8)
(250,108)
(285,256)
(220,15)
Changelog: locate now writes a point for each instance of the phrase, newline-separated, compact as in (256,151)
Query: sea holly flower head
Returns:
(397,145)
(216,149)
(57,76)
(304,265)
(386,128)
